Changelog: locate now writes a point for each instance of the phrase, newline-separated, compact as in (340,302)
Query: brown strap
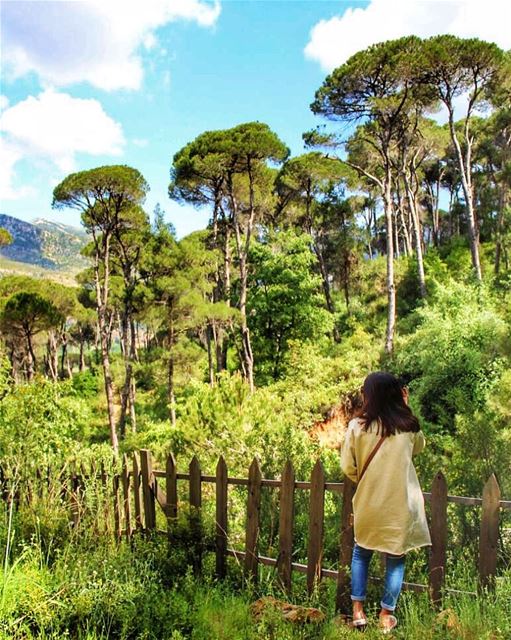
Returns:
(370,457)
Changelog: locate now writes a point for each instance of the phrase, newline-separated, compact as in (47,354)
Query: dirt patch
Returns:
(289,612)
(330,431)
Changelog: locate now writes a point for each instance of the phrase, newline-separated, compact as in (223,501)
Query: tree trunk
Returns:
(245,331)
(134,340)
(412,204)
(171,390)
(500,227)
(436,211)
(65,369)
(326,284)
(81,357)
(109,392)
(124,328)
(404,225)
(242,246)
(32,363)
(97,344)
(222,337)
(465,169)
(210,345)
(132,394)
(395,229)
(405,221)
(324,277)
(391,290)
(15,363)
(104,331)
(52,356)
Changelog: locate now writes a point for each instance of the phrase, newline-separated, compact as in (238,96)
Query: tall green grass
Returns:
(92,589)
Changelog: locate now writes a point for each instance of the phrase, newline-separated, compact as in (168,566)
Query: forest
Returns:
(386,246)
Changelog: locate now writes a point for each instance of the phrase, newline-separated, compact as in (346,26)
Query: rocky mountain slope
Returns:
(42,243)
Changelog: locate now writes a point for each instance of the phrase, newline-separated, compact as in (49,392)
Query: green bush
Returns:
(42,423)
(455,356)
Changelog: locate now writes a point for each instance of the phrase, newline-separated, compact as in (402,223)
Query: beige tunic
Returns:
(388,505)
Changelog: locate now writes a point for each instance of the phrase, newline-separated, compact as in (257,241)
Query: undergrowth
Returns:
(92,589)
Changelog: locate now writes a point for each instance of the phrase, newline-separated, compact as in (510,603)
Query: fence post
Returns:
(171,486)
(437,558)
(489,535)
(136,492)
(316,514)
(4,491)
(221,517)
(195,514)
(105,498)
(286,519)
(147,489)
(39,478)
(74,483)
(343,600)
(253,512)
(48,481)
(126,496)
(117,508)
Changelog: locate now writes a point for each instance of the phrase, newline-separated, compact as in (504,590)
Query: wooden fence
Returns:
(137,493)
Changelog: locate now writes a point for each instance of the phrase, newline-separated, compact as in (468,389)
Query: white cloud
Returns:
(98,41)
(54,127)
(4,102)
(333,41)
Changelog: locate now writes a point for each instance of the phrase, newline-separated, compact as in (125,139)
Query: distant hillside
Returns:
(63,276)
(45,244)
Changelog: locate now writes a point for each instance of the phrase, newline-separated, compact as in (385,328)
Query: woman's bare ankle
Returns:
(385,612)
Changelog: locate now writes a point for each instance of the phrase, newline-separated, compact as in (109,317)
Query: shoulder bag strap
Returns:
(370,457)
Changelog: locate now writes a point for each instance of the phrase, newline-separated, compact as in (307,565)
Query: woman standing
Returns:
(388,505)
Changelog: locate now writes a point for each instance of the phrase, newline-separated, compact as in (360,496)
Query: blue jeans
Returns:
(394,574)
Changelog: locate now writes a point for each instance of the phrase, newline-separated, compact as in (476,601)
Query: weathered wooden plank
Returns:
(94,499)
(126,494)
(286,521)
(489,535)
(4,485)
(148,490)
(343,599)
(40,483)
(221,518)
(195,513)
(438,555)
(105,498)
(265,482)
(316,515)
(74,483)
(161,497)
(171,486)
(468,501)
(243,482)
(117,508)
(139,524)
(332,574)
(253,514)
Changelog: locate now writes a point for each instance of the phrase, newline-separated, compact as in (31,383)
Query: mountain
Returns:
(45,244)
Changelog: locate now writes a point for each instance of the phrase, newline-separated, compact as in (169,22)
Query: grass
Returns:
(61,582)
(91,589)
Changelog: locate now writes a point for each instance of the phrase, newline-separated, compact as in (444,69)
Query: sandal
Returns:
(359,623)
(387,628)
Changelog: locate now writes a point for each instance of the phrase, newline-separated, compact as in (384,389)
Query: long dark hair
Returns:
(384,402)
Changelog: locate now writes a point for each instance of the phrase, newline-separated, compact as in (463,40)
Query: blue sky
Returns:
(92,83)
